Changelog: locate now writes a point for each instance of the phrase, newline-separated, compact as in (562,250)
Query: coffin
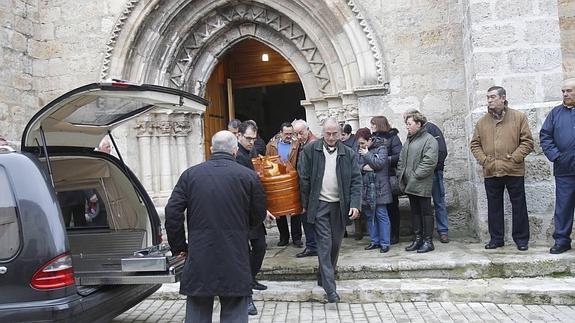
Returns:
(280,181)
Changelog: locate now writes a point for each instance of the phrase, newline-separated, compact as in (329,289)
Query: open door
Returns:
(216,116)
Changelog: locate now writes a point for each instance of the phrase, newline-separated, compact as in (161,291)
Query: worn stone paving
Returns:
(303,312)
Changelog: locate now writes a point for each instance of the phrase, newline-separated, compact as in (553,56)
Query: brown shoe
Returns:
(444,238)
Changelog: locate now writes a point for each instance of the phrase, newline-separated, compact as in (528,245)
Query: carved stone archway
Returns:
(178,43)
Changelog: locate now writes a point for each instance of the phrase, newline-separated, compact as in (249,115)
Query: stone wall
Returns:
(516,45)
(422,44)
(17,95)
(567,25)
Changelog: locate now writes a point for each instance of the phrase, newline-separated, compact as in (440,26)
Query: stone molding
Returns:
(236,14)
(371,39)
(111,44)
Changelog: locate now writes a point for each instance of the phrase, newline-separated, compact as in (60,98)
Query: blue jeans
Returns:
(378,224)
(438,194)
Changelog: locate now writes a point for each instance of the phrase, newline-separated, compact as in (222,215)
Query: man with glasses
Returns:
(305,136)
(247,134)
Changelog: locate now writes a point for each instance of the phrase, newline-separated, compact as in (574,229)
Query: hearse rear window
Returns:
(9,225)
(105,111)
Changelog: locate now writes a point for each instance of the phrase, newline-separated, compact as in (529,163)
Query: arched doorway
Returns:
(252,81)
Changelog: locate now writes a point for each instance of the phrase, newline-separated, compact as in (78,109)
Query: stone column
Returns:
(350,111)
(144,137)
(196,139)
(182,129)
(165,132)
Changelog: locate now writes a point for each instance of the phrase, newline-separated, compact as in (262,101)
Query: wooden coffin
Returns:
(280,181)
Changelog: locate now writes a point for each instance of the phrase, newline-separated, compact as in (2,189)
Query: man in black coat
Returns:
(223,201)
(247,134)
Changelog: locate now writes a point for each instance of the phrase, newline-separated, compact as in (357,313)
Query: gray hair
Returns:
(224,141)
(299,122)
(234,123)
(330,121)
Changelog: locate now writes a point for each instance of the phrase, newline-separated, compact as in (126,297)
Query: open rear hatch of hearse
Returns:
(117,240)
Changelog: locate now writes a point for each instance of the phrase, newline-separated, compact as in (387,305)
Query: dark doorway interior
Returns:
(270,106)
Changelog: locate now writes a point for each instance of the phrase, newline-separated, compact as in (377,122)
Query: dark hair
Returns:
(285,125)
(417,117)
(244,126)
(381,123)
(234,123)
(364,133)
(500,91)
(347,129)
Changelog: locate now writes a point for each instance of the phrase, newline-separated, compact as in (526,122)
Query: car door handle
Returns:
(3,270)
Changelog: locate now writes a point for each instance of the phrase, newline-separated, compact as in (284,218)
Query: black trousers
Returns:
(421,216)
(233,309)
(295,222)
(494,187)
(77,212)
(257,253)
(394,217)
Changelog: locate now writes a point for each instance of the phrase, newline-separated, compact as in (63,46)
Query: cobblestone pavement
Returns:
(174,311)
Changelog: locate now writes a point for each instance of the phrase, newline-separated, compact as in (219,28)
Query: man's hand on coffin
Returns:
(269,216)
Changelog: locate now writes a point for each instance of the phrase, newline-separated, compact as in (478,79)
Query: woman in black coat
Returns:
(381,128)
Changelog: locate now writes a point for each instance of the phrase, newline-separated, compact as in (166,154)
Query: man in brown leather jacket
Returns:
(501,141)
(286,146)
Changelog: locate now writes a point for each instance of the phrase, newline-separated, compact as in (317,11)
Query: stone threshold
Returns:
(542,290)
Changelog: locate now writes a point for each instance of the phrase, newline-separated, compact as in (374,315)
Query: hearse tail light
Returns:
(57,273)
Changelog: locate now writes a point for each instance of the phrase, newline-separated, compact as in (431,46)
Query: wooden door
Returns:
(216,116)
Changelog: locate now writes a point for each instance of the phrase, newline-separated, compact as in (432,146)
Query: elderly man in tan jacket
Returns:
(501,141)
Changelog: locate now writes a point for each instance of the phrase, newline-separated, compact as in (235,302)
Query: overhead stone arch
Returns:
(177,43)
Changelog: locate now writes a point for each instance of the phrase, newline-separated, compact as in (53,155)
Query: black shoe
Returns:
(493,245)
(372,246)
(257,286)
(522,247)
(252,310)
(306,253)
(444,238)
(384,249)
(415,244)
(333,298)
(394,241)
(427,246)
(557,249)
(298,243)
(282,243)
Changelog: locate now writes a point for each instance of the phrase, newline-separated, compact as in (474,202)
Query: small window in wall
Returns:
(83,208)
(9,225)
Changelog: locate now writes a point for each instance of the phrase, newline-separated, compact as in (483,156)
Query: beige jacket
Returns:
(501,146)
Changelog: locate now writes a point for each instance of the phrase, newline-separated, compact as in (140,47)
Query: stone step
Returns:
(544,290)
(455,260)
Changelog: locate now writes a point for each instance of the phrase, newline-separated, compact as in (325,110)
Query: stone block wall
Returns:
(18,99)
(422,44)
(566,9)
(515,44)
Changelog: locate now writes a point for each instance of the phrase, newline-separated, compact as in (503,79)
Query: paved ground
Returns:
(174,311)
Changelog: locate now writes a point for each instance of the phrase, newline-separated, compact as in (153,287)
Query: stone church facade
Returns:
(355,59)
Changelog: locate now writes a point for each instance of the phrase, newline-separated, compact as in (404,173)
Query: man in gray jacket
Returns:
(330,187)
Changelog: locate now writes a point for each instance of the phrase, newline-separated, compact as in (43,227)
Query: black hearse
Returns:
(62,268)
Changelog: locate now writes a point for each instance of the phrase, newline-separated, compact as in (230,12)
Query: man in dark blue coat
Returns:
(557,137)
(223,200)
